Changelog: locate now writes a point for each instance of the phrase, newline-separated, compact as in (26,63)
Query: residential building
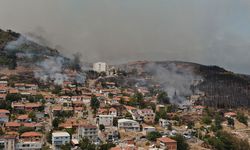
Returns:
(113,112)
(148,129)
(106,120)
(167,143)
(60,138)
(100,67)
(88,131)
(128,125)
(163,123)
(148,115)
(9,142)
(29,141)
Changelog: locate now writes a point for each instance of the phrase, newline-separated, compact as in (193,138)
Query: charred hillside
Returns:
(222,88)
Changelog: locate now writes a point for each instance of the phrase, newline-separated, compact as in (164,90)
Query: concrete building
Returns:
(167,143)
(128,125)
(60,138)
(148,115)
(8,142)
(113,112)
(88,131)
(100,67)
(163,123)
(106,120)
(29,141)
(148,129)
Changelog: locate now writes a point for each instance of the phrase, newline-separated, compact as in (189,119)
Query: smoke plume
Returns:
(173,80)
(51,66)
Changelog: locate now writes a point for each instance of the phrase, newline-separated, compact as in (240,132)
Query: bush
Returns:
(152,136)
(181,142)
(206,120)
(242,118)
(226,141)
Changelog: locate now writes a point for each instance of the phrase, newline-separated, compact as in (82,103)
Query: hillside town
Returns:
(104,114)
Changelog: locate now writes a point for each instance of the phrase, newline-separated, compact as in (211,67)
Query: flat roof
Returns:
(60,134)
(126,120)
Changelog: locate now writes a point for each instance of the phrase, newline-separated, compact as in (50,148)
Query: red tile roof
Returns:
(31,134)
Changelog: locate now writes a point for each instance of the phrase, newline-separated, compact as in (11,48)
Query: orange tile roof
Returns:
(12,133)
(33,104)
(4,111)
(199,107)
(12,124)
(23,117)
(130,107)
(112,109)
(31,134)
(166,140)
(230,114)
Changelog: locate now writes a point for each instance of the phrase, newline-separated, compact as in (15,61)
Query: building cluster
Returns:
(32,116)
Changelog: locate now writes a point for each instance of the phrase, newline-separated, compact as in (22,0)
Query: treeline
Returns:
(224,89)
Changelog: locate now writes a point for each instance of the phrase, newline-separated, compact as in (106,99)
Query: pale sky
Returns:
(211,32)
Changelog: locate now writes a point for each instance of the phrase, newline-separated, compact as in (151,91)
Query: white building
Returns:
(106,120)
(29,141)
(128,125)
(60,138)
(148,129)
(100,67)
(163,123)
(88,131)
(36,145)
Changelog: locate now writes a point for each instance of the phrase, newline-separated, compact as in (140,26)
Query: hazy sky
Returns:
(213,32)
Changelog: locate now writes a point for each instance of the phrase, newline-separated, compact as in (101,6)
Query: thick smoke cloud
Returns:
(212,32)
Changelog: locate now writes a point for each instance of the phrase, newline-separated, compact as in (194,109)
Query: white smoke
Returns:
(51,69)
(175,81)
(14,45)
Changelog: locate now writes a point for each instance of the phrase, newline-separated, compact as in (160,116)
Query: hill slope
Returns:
(222,88)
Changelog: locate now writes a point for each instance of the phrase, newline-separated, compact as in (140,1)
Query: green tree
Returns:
(57,89)
(226,141)
(152,136)
(66,146)
(13,97)
(163,98)
(101,127)
(190,124)
(206,120)
(32,116)
(106,146)
(94,103)
(181,142)
(23,129)
(49,137)
(230,122)
(1,131)
(115,122)
(217,123)
(56,122)
(160,114)
(242,118)
(85,144)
